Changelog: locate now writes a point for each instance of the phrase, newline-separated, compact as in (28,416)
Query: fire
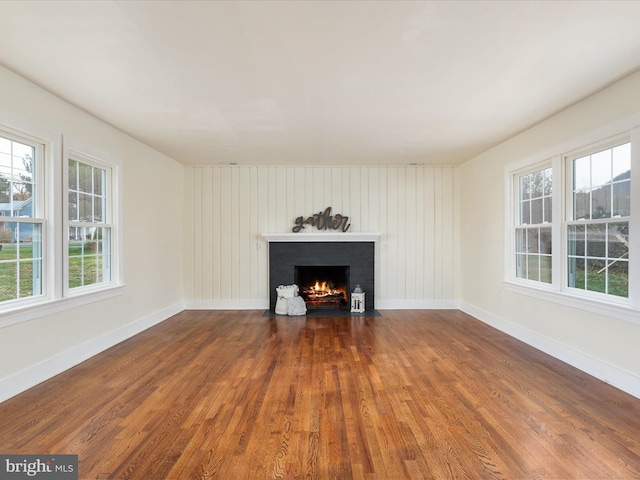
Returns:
(321,287)
(321,294)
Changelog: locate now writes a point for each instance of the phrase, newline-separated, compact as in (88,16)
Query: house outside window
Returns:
(90,224)
(21,228)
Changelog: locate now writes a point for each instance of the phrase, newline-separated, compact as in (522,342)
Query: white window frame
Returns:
(558,291)
(515,218)
(47,146)
(568,218)
(81,153)
(53,194)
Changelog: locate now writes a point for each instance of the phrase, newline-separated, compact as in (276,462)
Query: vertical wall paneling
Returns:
(263,226)
(419,219)
(447,232)
(439,233)
(393,232)
(224,233)
(197,233)
(188,226)
(414,207)
(255,245)
(429,229)
(209,263)
(412,247)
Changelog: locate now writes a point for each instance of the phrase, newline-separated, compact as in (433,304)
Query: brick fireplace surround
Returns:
(356,251)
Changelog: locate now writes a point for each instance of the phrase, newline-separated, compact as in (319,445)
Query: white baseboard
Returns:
(227,304)
(264,304)
(21,381)
(417,304)
(625,381)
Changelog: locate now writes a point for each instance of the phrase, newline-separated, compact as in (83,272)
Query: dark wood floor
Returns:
(408,394)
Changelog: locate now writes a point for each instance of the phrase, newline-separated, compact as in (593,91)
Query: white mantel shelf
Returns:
(321,237)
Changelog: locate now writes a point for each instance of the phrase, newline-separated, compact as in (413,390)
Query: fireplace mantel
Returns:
(321,237)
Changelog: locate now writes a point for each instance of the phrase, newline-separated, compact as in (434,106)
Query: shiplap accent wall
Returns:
(229,207)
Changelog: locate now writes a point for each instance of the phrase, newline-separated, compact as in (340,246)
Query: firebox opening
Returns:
(323,286)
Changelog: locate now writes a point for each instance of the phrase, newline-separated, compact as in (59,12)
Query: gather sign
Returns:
(323,221)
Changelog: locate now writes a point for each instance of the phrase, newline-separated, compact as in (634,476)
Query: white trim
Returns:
(321,237)
(95,158)
(600,306)
(621,379)
(391,304)
(227,305)
(264,305)
(25,313)
(29,377)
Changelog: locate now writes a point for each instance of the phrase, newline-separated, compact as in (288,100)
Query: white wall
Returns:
(229,207)
(604,346)
(152,194)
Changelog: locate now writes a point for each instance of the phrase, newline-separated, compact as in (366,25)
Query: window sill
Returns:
(611,309)
(25,313)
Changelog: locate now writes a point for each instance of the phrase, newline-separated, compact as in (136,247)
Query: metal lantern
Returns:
(357,300)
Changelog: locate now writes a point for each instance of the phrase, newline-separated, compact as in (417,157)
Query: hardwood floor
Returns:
(408,394)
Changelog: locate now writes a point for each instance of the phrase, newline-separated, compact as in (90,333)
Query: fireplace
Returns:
(353,261)
(324,286)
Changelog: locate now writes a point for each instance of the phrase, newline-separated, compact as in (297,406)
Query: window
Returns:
(533,226)
(21,228)
(598,226)
(571,222)
(90,227)
(58,223)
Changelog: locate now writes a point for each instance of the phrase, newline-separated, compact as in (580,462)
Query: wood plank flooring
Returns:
(404,395)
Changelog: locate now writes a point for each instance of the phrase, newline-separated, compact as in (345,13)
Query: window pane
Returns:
(533,262)
(521,266)
(618,239)
(73,175)
(581,205)
(532,240)
(601,168)
(98,212)
(619,278)
(621,161)
(545,240)
(577,272)
(8,285)
(582,174)
(86,208)
(596,240)
(601,202)
(521,240)
(548,181)
(525,187)
(596,275)
(537,180)
(576,234)
(545,269)
(73,206)
(98,181)
(525,213)
(621,199)
(548,208)
(536,211)
(85,178)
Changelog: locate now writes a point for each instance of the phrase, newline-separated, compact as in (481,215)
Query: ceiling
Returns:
(321,82)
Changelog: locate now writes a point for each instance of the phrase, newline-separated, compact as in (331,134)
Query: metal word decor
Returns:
(323,221)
